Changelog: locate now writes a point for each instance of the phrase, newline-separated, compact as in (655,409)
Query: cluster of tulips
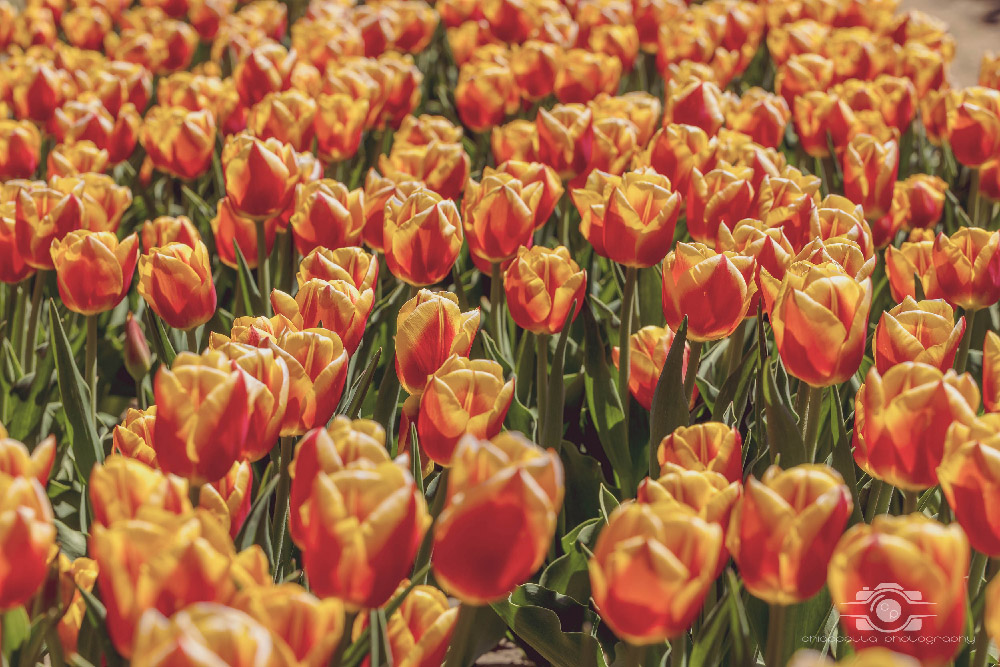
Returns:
(637,333)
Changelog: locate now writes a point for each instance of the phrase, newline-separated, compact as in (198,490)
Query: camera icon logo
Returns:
(888,608)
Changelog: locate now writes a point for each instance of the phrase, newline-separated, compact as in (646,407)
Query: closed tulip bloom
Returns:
(901,419)
(872,657)
(973,124)
(761,115)
(20,149)
(228,498)
(133,438)
(721,197)
(969,475)
(924,196)
(327,215)
(820,319)
(534,65)
(178,141)
(286,116)
(260,175)
(167,229)
(485,94)
(991,372)
(648,349)
(94,271)
(121,486)
(822,117)
(442,167)
(265,69)
(176,282)
(565,138)
(27,530)
(651,569)
(530,173)
(309,626)
(499,215)
(912,258)
(693,271)
(499,517)
(76,575)
(430,328)
(45,214)
(423,129)
(13,268)
(711,446)
(422,236)
(784,530)
(231,229)
(967,267)
(541,286)
(695,102)
(923,331)
(516,140)
(317,371)
(207,633)
(39,90)
(616,41)
(15,460)
(339,122)
(870,169)
(336,305)
(790,201)
(927,561)
(378,191)
(768,245)
(676,150)
(462,396)
(628,219)
(420,630)
(100,189)
(584,74)
(803,73)
(351,264)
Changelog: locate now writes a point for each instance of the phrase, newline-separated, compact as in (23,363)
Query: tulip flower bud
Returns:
(541,286)
(338,125)
(286,117)
(100,190)
(516,140)
(207,632)
(651,569)
(351,264)
(615,145)
(695,102)
(967,267)
(120,487)
(819,315)
(923,331)
(26,529)
(719,198)
(80,574)
(822,118)
(803,73)
(761,115)
(228,498)
(462,396)
(317,371)
(422,236)
(39,90)
(711,446)
(901,419)
(17,462)
(676,150)
(870,169)
(133,438)
(693,271)
(45,214)
(499,517)
(176,282)
(499,215)
(167,229)
(534,65)
(430,328)
(20,149)
(973,124)
(784,530)
(178,141)
(912,258)
(565,138)
(789,201)
(327,215)
(13,268)
(420,630)
(260,175)
(442,167)
(94,270)
(583,74)
(911,561)
(309,626)
(485,94)
(335,305)
(267,377)
(231,229)
(648,349)
(265,69)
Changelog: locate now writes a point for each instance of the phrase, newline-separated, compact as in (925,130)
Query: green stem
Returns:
(542,381)
(774,657)
(977,568)
(874,497)
(973,203)
(263,268)
(734,350)
(91,363)
(16,323)
(810,422)
(464,626)
(910,499)
(345,638)
(962,357)
(624,334)
(982,646)
(884,499)
(192,339)
(694,360)
(424,553)
(28,344)
(635,656)
(496,304)
(281,494)
(678,651)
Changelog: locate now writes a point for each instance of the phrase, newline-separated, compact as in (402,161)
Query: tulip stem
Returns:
(874,497)
(28,344)
(982,646)
(624,335)
(542,382)
(263,268)
(775,655)
(694,360)
(910,499)
(281,497)
(496,304)
(192,339)
(977,569)
(345,638)
(962,357)
(973,205)
(678,651)
(810,421)
(91,363)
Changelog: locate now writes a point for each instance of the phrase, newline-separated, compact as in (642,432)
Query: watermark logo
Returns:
(887,608)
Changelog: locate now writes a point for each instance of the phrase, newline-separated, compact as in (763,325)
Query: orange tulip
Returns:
(351,264)
(991,372)
(584,74)
(260,175)
(228,498)
(499,215)
(133,438)
(710,446)
(648,348)
(535,172)
(790,202)
(676,150)
(619,42)
(721,197)
(265,69)
(231,229)
(176,282)
(901,419)
(81,573)
(912,258)
(377,193)
(819,315)
(534,65)
(420,630)
(923,331)
(973,124)
(20,149)
(317,371)
(27,530)
(768,245)
(167,229)
(16,461)
(485,94)
(695,102)
(178,141)
(870,169)
(761,115)
(38,90)
(565,138)
(967,267)
(615,145)
(541,286)
(336,305)
(651,570)
(516,140)
(422,236)
(13,268)
(499,517)
(924,196)
(462,396)
(801,74)
(286,116)
(339,123)
(430,328)
(121,486)
(692,271)
(99,189)
(309,626)
(968,475)
(327,215)
(911,563)
(94,270)
(638,107)
(207,632)
(442,167)
(43,215)
(628,219)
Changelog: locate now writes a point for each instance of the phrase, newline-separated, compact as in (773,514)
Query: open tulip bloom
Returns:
(605,333)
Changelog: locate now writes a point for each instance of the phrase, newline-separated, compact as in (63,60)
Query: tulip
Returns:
(565,138)
(317,371)
(339,123)
(761,115)
(80,574)
(176,282)
(133,438)
(822,118)
(534,65)
(924,196)
(260,175)
(923,331)
(43,215)
(676,150)
(423,129)
(94,271)
(228,498)
(695,102)
(516,140)
(328,215)
(991,372)
(819,315)
(499,516)
(20,149)
(711,446)
(912,258)
(615,145)
(167,229)
(485,94)
(499,215)
(231,229)
(803,73)
(422,236)
(967,267)
(286,117)
(651,570)
(968,475)
(39,90)
(16,461)
(541,286)
(309,626)
(178,141)
(648,348)
(870,169)
(693,271)
(350,264)
(207,633)
(420,630)
(335,305)
(442,167)
(973,124)
(721,197)
(901,421)
(13,268)
(121,486)
(377,193)
(430,328)
(911,561)
(584,74)
(266,69)
(27,530)
(789,202)
(99,189)
(768,245)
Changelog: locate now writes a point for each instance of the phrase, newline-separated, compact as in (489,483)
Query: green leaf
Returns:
(477,630)
(555,402)
(354,407)
(87,447)
(608,502)
(648,291)
(584,479)
(709,638)
(736,389)
(26,413)
(252,302)
(842,459)
(670,405)
(16,629)
(494,353)
(783,436)
(158,337)
(248,533)
(73,542)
